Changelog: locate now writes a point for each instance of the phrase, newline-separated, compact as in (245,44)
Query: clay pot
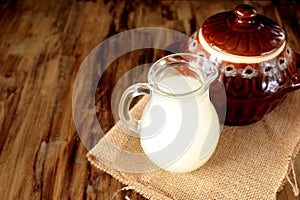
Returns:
(256,64)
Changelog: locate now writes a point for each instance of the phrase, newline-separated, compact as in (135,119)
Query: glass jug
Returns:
(179,128)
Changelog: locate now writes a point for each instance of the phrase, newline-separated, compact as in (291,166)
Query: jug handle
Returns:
(296,80)
(129,123)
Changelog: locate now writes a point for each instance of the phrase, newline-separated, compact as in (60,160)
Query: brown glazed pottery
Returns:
(256,64)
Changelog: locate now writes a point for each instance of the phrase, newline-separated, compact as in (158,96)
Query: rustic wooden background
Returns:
(42,44)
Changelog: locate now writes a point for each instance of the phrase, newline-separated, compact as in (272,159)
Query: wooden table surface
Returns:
(42,44)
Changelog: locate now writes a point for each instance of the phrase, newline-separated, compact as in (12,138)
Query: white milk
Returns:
(180,133)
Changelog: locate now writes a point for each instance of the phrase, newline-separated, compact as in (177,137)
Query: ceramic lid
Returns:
(242,32)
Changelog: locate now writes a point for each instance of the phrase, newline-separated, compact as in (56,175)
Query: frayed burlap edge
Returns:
(289,172)
(136,186)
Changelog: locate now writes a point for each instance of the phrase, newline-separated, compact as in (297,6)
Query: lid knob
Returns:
(245,13)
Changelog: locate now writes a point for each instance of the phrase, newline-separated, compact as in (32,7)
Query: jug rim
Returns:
(207,69)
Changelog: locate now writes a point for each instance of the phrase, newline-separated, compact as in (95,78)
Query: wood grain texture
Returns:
(42,44)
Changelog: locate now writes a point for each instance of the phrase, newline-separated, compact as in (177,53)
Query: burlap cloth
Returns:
(250,162)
